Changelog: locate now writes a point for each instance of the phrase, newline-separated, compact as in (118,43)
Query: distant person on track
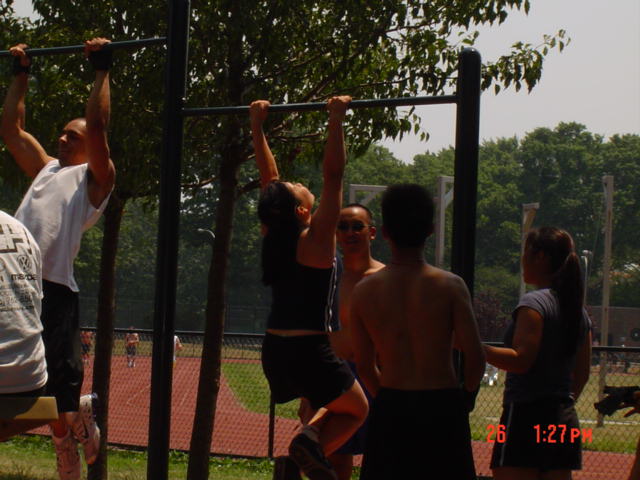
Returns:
(86,341)
(547,357)
(131,341)
(67,196)
(177,346)
(404,320)
(299,264)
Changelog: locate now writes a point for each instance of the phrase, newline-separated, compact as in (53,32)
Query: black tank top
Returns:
(306,299)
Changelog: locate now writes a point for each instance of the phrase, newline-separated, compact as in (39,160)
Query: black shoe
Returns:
(308,455)
(286,469)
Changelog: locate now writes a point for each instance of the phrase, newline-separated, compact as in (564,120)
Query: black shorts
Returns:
(355,445)
(304,366)
(526,447)
(418,434)
(131,350)
(61,337)
(86,348)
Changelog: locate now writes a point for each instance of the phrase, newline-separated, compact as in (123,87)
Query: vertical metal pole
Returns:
(528,214)
(607,182)
(465,186)
(442,203)
(167,252)
(465,183)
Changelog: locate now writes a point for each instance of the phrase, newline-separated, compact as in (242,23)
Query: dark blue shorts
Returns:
(355,445)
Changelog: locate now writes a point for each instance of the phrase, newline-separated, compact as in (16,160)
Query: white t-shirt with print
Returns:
(22,362)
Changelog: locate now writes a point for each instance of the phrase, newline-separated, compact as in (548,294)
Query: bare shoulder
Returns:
(376,266)
(369,283)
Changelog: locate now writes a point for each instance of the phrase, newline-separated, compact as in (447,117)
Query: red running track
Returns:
(238,431)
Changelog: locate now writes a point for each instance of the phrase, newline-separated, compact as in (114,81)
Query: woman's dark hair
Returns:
(567,281)
(277,211)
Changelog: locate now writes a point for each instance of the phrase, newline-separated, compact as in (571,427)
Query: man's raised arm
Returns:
(25,149)
(97,116)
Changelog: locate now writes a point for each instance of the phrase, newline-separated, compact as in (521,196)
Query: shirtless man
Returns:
(404,319)
(86,340)
(354,234)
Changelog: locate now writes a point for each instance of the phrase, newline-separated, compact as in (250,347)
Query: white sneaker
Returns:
(67,456)
(85,429)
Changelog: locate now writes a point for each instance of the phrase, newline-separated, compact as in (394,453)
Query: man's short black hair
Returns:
(359,205)
(407,214)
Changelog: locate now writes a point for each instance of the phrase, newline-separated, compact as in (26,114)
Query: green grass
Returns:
(617,435)
(252,390)
(33,458)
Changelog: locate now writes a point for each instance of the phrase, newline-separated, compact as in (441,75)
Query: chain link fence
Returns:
(246,424)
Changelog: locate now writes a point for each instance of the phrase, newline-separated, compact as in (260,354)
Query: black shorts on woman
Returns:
(304,366)
(550,446)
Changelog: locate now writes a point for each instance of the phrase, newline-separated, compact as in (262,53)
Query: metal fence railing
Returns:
(245,425)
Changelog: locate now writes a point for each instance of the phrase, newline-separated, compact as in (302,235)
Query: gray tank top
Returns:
(550,375)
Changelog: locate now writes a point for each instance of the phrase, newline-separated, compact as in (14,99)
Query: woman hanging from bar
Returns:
(298,262)
(547,356)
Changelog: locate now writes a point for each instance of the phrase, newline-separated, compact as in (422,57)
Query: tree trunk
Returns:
(209,381)
(105,320)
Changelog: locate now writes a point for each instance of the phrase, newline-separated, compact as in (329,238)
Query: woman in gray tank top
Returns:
(547,356)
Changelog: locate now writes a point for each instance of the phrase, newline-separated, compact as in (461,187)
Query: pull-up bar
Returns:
(142,42)
(318,106)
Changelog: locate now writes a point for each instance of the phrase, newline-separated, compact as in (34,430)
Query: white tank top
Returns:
(57,211)
(22,363)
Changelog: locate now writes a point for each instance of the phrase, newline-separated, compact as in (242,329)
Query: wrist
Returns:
(101,60)
(18,68)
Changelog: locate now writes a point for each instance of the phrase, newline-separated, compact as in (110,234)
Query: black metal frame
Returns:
(141,42)
(467,99)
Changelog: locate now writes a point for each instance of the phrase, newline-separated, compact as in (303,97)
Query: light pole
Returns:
(586,258)
(528,214)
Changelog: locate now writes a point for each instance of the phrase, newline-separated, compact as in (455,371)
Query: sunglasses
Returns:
(354,227)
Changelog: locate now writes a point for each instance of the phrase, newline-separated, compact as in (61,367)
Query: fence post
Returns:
(272,426)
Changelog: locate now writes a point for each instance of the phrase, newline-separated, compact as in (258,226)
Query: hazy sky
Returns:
(594,81)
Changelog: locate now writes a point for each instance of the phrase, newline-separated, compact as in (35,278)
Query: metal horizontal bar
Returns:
(142,42)
(304,107)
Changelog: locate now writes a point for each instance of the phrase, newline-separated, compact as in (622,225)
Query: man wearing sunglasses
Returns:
(355,232)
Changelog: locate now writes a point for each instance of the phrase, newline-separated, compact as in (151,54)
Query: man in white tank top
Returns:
(67,196)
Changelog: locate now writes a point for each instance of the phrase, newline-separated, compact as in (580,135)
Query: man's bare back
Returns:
(404,320)
(410,313)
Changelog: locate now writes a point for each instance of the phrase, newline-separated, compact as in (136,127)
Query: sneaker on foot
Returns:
(286,469)
(67,456)
(308,455)
(85,428)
